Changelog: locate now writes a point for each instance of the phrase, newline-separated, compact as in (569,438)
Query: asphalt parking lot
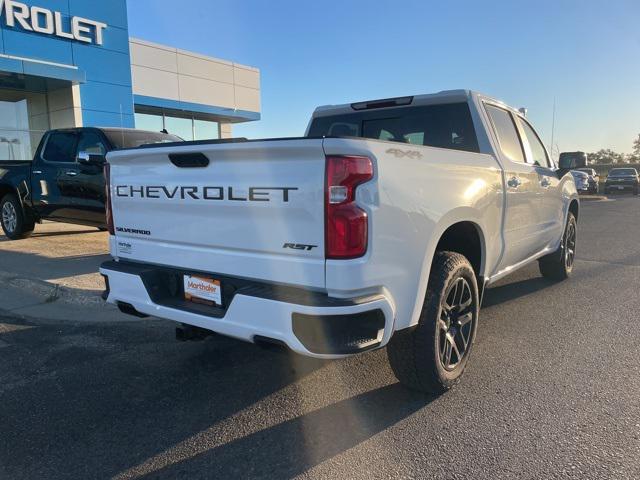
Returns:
(552,389)
(58,253)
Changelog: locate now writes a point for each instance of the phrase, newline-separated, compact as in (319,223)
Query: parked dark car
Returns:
(621,179)
(65,180)
(594,179)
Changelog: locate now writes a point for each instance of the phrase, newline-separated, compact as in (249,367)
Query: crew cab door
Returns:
(522,190)
(89,196)
(52,175)
(551,204)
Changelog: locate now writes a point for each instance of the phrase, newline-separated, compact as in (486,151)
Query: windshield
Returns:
(445,126)
(136,138)
(621,172)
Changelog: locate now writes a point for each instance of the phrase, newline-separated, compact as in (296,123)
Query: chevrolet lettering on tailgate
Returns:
(254,194)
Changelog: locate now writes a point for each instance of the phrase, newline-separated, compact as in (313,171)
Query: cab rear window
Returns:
(444,126)
(137,138)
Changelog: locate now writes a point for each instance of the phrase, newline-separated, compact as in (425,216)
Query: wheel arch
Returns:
(450,234)
(467,239)
(574,207)
(7,189)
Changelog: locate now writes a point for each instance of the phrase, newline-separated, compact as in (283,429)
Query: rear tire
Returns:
(431,357)
(12,218)
(559,265)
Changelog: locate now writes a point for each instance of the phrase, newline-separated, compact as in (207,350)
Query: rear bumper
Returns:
(308,323)
(621,186)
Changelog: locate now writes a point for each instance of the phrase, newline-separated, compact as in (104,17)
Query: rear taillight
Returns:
(346,224)
(107,198)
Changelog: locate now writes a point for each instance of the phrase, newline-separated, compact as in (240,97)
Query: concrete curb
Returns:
(29,298)
(595,198)
(49,292)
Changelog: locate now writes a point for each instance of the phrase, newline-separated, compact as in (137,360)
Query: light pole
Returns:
(553,125)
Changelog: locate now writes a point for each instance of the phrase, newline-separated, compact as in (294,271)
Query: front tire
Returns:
(431,357)
(14,223)
(559,265)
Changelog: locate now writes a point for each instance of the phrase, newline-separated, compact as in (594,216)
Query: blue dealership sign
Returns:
(85,42)
(50,22)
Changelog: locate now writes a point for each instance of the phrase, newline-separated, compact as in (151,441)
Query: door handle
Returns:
(514,182)
(71,173)
(545,182)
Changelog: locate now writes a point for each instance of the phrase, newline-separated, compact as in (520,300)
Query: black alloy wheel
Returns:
(456,324)
(570,246)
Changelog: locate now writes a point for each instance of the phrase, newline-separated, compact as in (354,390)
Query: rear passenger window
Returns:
(91,143)
(506,132)
(61,147)
(444,126)
(538,153)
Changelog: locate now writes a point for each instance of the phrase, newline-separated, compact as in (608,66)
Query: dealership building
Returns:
(72,63)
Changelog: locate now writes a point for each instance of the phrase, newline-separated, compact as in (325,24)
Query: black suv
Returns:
(621,179)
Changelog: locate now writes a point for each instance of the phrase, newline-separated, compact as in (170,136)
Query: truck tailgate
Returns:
(255,211)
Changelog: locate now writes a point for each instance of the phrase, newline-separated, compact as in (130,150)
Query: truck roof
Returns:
(103,129)
(444,96)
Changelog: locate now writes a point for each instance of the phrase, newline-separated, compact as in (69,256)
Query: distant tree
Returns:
(605,156)
(636,147)
(616,157)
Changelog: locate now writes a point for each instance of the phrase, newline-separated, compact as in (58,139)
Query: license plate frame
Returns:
(202,289)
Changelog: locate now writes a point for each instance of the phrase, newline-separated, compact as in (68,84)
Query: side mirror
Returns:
(85,158)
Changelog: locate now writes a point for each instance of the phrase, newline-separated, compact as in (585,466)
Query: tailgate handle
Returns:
(189,160)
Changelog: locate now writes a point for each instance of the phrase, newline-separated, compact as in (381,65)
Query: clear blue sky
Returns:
(585,53)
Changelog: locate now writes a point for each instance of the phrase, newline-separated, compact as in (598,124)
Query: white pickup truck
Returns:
(381,227)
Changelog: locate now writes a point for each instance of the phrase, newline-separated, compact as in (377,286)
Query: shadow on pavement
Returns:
(514,290)
(297,445)
(41,267)
(87,401)
(37,234)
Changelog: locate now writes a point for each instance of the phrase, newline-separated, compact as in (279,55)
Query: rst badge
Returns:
(299,246)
